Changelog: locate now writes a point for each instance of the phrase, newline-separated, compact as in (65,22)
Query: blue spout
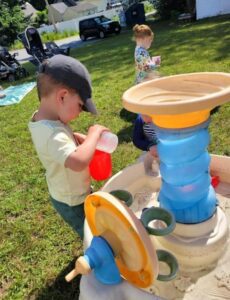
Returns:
(100,257)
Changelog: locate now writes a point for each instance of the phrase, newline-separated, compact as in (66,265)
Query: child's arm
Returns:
(81,157)
(79,137)
(144,61)
(149,64)
(153,151)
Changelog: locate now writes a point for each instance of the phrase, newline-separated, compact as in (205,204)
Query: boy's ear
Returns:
(60,95)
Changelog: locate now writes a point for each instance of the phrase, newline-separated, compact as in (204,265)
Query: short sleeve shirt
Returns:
(143,63)
(54,142)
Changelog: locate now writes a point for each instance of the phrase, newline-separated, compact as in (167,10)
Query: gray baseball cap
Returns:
(70,72)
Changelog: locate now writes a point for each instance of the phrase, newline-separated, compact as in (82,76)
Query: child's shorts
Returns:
(73,215)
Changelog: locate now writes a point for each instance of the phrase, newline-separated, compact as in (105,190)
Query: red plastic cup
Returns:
(100,167)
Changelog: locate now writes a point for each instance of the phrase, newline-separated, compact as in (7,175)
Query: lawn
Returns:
(36,248)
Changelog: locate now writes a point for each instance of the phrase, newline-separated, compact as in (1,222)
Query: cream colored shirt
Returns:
(54,142)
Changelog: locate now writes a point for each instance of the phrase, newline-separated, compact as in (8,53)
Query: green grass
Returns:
(36,247)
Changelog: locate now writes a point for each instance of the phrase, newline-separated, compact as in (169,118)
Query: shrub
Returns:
(167,8)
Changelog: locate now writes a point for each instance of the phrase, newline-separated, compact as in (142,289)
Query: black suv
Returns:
(98,26)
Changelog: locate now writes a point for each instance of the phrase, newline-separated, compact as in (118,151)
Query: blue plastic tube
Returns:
(184,164)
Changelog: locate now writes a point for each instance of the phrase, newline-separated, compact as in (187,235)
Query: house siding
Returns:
(71,14)
(211,8)
(101,4)
(56,15)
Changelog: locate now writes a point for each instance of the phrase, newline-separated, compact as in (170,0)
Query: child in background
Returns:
(64,90)
(144,64)
(144,136)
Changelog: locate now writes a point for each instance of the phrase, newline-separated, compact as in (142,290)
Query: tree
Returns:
(43,7)
(41,4)
(166,8)
(41,18)
(191,6)
(12,21)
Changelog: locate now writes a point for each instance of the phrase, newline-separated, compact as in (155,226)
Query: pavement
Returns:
(72,42)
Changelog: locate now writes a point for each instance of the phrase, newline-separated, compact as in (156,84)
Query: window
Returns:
(91,23)
(101,19)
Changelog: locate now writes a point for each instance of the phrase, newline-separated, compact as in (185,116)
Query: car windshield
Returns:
(102,19)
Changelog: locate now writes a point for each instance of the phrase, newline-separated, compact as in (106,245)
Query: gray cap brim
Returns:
(89,106)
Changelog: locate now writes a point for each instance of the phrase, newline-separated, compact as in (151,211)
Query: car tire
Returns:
(101,34)
(117,32)
(83,37)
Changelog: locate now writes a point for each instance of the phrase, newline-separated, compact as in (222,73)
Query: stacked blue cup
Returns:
(186,184)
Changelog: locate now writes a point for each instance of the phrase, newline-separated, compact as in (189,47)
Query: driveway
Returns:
(72,42)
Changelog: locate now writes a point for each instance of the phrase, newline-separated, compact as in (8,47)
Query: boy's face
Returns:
(70,105)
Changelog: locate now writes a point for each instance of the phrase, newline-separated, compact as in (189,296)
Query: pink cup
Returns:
(156,60)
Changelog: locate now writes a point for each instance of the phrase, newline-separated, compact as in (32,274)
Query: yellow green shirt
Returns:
(54,142)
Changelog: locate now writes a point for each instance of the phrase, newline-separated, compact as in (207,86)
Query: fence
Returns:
(74,23)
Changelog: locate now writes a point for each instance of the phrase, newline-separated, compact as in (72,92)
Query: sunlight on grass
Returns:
(37,248)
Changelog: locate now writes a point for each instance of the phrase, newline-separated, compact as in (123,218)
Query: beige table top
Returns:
(179,94)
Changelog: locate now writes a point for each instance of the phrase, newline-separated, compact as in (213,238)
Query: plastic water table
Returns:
(180,107)
(209,282)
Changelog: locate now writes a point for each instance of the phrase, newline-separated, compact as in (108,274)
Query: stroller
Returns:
(33,44)
(10,68)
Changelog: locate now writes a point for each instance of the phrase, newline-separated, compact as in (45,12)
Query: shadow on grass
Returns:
(125,135)
(59,289)
(127,115)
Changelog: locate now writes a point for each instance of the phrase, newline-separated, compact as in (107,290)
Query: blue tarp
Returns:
(14,94)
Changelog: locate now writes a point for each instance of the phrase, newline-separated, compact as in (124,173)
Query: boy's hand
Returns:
(97,129)
(79,159)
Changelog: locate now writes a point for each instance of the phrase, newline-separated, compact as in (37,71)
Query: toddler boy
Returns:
(64,91)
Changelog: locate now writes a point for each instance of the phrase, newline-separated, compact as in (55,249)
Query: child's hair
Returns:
(46,84)
(141,31)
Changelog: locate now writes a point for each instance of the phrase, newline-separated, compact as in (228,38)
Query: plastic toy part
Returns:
(192,96)
(169,259)
(134,252)
(158,214)
(135,255)
(186,189)
(99,258)
(100,166)
(108,142)
(181,121)
(81,267)
(123,195)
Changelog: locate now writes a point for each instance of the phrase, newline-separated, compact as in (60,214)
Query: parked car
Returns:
(98,26)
